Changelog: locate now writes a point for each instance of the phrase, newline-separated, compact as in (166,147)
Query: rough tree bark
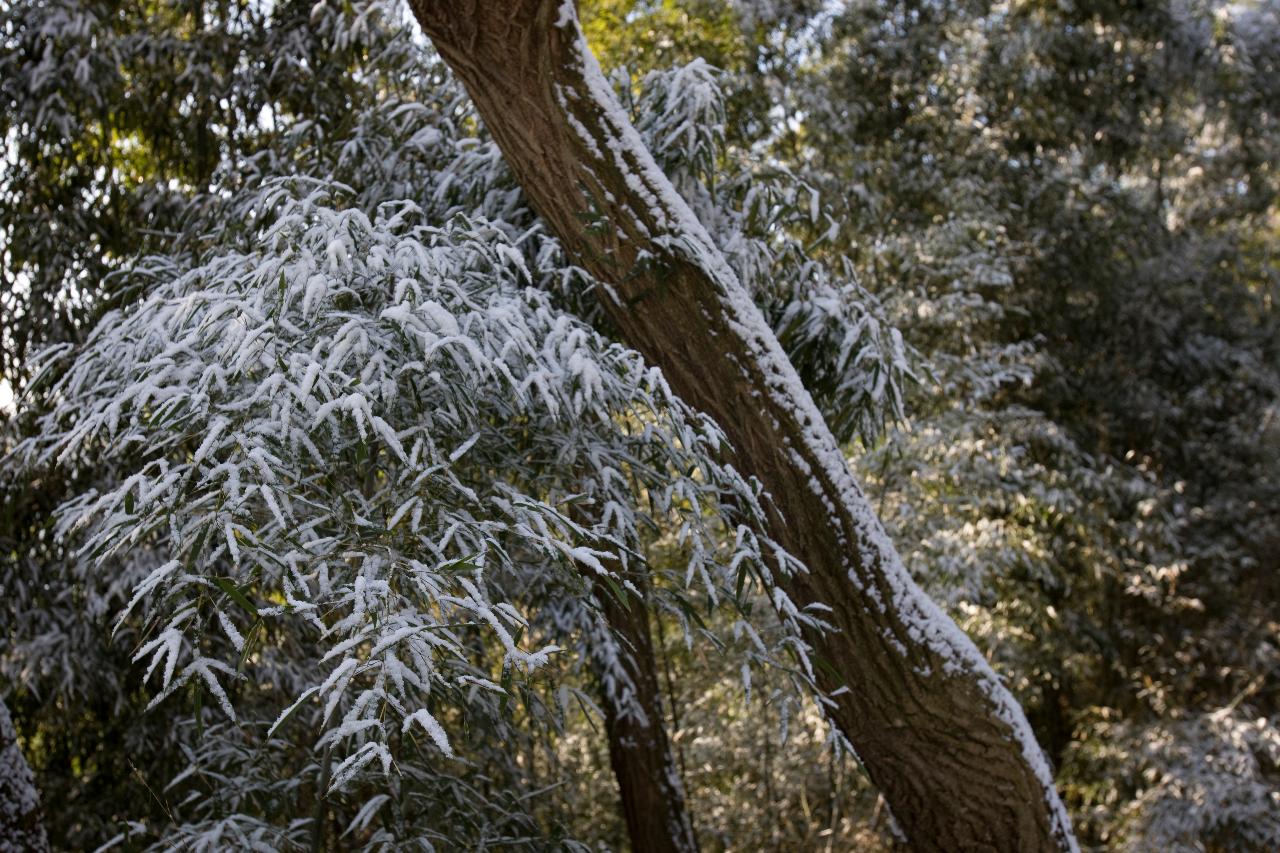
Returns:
(939,734)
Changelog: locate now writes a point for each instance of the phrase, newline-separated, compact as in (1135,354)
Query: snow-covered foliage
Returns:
(1059,208)
(343,434)
(851,360)
(21,827)
(366,436)
(339,479)
(1210,779)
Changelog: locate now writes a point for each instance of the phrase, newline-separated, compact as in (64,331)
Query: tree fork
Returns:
(939,734)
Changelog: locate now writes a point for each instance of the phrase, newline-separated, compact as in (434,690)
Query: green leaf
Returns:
(284,718)
(248,644)
(194,553)
(199,702)
(618,592)
(689,611)
(237,595)
(830,670)
(505,683)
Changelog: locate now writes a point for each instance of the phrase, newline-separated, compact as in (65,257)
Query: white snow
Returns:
(877,560)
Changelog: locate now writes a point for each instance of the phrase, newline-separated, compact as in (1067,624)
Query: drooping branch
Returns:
(937,731)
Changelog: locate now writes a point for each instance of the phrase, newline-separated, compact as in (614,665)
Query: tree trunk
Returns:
(620,646)
(937,731)
(639,749)
(21,827)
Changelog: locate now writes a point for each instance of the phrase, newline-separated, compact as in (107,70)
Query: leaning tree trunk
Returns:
(939,734)
(21,829)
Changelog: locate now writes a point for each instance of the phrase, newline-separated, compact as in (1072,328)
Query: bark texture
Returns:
(940,736)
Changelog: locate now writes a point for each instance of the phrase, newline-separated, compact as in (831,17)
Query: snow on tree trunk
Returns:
(937,731)
(21,829)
